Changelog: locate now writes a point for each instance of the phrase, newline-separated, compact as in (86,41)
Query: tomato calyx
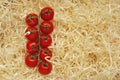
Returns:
(45,37)
(47,27)
(46,51)
(45,64)
(32,31)
(31,17)
(34,47)
(47,11)
(32,57)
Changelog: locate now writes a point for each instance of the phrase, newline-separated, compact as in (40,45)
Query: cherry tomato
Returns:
(45,53)
(32,19)
(46,27)
(31,33)
(47,13)
(32,47)
(31,60)
(45,40)
(44,68)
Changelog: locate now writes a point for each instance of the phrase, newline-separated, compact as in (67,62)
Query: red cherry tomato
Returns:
(46,27)
(32,19)
(47,13)
(45,53)
(32,47)
(45,68)
(31,60)
(31,33)
(45,40)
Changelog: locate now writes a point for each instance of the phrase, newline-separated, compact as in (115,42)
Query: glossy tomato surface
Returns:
(32,47)
(45,40)
(31,60)
(45,68)
(32,19)
(31,33)
(47,13)
(46,27)
(45,53)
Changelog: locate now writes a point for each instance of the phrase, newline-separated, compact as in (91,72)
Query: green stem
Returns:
(39,38)
(45,64)
(46,51)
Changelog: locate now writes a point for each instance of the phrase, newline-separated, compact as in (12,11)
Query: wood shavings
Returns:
(86,39)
